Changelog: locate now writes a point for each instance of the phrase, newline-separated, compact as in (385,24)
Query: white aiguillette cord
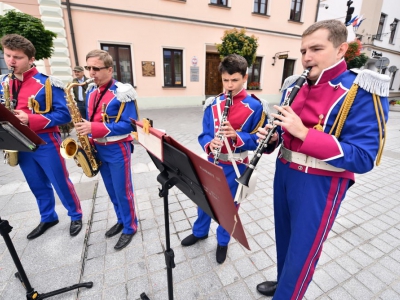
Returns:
(230,157)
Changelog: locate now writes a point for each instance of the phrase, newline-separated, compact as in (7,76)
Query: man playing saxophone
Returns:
(110,105)
(40,104)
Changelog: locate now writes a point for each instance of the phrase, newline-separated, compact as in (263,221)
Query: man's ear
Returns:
(342,49)
(245,77)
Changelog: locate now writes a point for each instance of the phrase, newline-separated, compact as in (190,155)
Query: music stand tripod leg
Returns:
(31,294)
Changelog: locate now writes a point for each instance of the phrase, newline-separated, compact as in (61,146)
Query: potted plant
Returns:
(253,86)
(394,105)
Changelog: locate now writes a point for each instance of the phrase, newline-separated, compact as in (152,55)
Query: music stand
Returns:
(176,170)
(15,136)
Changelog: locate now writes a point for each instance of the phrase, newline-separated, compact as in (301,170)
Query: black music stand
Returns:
(11,138)
(177,170)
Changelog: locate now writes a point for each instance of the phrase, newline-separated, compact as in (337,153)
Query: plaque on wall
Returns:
(148,68)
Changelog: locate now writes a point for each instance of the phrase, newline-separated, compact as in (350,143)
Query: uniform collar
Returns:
(29,74)
(332,72)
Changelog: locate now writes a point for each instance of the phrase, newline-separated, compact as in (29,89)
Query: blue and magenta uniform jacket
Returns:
(117,125)
(356,148)
(33,84)
(246,115)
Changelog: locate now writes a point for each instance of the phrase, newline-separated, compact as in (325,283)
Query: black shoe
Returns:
(75,227)
(117,228)
(267,288)
(123,241)
(191,240)
(221,253)
(40,229)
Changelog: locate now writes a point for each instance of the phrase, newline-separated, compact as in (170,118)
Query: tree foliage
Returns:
(236,41)
(31,28)
(353,57)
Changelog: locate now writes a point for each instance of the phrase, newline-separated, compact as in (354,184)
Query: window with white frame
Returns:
(393,28)
(254,75)
(122,60)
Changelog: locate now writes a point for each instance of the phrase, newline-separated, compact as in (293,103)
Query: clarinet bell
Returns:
(245,178)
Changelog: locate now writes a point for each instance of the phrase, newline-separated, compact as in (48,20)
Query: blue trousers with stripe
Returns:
(305,208)
(44,169)
(202,224)
(115,170)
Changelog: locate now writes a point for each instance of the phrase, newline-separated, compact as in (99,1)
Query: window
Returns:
(393,29)
(3,66)
(295,10)
(380,27)
(121,55)
(219,2)
(260,6)
(173,61)
(253,81)
(288,69)
(392,79)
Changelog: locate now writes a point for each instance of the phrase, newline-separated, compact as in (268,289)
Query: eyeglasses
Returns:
(96,69)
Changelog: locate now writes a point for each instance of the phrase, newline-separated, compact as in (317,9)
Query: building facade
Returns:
(167,48)
(378,32)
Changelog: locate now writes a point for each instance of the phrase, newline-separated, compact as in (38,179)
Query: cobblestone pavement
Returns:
(360,260)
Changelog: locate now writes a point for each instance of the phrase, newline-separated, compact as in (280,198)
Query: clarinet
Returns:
(224,118)
(245,178)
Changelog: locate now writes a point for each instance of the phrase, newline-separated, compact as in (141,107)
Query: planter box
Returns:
(395,107)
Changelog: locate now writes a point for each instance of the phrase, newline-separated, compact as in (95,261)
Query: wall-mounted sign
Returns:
(283,56)
(194,61)
(376,54)
(148,68)
(194,74)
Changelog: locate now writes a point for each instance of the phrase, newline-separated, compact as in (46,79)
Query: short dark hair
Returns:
(18,42)
(337,31)
(233,63)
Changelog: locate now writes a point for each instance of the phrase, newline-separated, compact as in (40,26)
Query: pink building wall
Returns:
(192,26)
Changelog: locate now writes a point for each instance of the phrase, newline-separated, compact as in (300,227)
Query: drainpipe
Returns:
(71,27)
(316,13)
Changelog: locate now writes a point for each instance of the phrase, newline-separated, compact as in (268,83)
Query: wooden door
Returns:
(213,78)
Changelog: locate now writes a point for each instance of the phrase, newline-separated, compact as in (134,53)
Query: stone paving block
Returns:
(252,282)
(314,292)
(156,262)
(389,295)
(227,274)
(245,267)
(138,286)
(94,265)
(370,281)
(96,250)
(153,247)
(323,279)
(357,289)
(383,273)
(187,290)
(261,260)
(209,283)
(115,260)
(349,264)
(113,277)
(238,291)
(339,293)
(136,270)
(359,256)
(342,244)
(381,245)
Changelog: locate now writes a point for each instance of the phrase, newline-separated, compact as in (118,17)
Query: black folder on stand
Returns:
(16,136)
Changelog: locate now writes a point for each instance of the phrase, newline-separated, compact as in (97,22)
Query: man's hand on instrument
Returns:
(228,130)
(22,116)
(215,144)
(263,132)
(291,121)
(84,127)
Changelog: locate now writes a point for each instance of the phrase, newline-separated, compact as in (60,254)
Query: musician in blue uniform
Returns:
(40,104)
(110,105)
(246,114)
(334,128)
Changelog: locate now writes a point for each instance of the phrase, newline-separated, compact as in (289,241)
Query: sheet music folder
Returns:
(16,136)
(202,181)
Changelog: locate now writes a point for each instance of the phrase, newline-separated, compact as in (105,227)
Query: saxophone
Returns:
(10,156)
(83,154)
